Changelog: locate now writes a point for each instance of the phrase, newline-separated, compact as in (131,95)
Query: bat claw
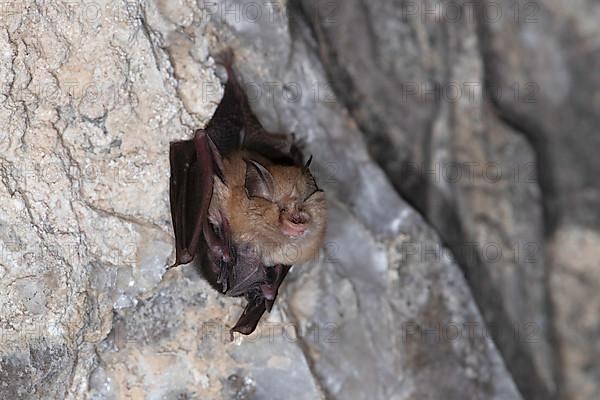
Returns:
(223,279)
(269,305)
(174,265)
(269,292)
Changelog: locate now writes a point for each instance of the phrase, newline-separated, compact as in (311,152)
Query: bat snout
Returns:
(293,224)
(297,218)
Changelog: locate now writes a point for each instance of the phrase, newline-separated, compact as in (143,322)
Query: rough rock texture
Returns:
(91,100)
(484,115)
(92,94)
(574,282)
(430,123)
(557,50)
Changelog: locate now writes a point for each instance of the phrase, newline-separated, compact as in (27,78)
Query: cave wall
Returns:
(406,300)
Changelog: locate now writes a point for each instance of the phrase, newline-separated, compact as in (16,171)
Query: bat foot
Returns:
(269,305)
(269,291)
(250,317)
(223,278)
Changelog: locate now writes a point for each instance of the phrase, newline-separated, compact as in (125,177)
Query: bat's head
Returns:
(287,211)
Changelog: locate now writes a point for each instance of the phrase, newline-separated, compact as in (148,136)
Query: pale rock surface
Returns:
(87,310)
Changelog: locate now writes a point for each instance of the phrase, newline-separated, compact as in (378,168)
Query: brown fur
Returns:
(261,222)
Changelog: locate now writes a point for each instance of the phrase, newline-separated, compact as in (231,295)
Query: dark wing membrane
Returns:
(250,317)
(275,278)
(261,298)
(183,187)
(234,125)
(191,185)
(247,273)
(225,127)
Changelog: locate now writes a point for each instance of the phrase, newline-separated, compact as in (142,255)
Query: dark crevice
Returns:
(520,365)
(528,129)
(379,145)
(544,165)
(548,190)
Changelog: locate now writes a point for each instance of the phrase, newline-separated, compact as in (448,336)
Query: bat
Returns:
(244,204)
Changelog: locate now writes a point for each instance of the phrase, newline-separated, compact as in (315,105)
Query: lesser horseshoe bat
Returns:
(243,200)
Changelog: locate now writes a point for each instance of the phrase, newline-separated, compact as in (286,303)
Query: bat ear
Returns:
(305,168)
(259,181)
(311,184)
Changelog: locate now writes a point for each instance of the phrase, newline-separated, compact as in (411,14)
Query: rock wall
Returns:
(93,93)
(484,116)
